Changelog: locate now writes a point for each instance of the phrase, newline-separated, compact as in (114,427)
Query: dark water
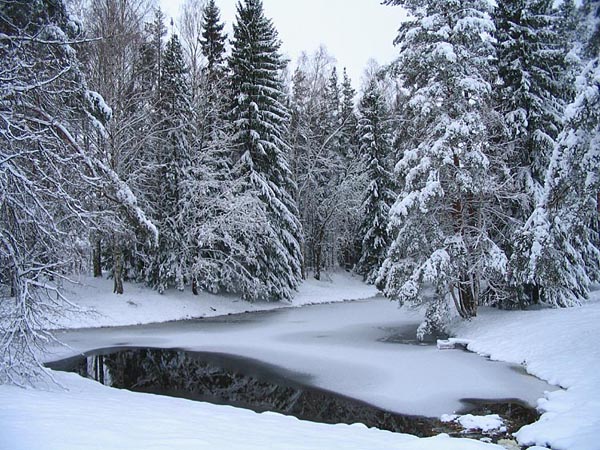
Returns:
(246,383)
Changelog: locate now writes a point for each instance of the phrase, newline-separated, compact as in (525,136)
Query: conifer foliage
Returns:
(173,153)
(531,66)
(260,120)
(448,168)
(213,37)
(562,252)
(374,127)
(215,177)
(532,47)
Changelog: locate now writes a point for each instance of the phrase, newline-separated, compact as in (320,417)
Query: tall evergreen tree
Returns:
(213,39)
(561,251)
(350,164)
(531,62)
(260,120)
(533,70)
(173,117)
(348,120)
(448,171)
(150,58)
(375,150)
(212,104)
(331,112)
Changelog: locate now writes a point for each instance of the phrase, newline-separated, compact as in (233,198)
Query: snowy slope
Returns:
(91,416)
(560,346)
(140,305)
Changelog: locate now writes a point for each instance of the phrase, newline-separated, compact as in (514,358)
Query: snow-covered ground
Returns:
(556,345)
(140,305)
(91,416)
(559,346)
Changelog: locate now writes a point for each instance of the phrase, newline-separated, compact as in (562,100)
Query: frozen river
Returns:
(360,349)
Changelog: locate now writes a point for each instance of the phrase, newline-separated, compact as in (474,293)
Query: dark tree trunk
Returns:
(97,259)
(303,263)
(318,262)
(463,214)
(467,303)
(117,268)
(318,250)
(194,287)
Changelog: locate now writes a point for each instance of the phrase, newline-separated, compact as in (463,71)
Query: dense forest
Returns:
(465,173)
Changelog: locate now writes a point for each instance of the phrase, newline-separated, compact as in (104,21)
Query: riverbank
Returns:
(556,345)
(84,414)
(98,307)
(560,346)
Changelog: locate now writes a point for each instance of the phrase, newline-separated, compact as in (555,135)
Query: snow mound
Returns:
(556,345)
(469,422)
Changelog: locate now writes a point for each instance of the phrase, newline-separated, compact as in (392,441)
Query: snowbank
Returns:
(140,305)
(559,346)
(92,416)
(469,422)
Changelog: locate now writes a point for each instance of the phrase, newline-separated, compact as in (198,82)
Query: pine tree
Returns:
(331,112)
(533,69)
(260,120)
(448,171)
(527,52)
(173,115)
(213,39)
(212,104)
(157,30)
(350,164)
(531,62)
(561,245)
(375,150)
(214,218)
(348,120)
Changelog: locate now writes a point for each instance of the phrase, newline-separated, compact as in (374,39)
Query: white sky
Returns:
(353,31)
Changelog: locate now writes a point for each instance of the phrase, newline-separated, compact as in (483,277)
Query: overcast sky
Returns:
(353,31)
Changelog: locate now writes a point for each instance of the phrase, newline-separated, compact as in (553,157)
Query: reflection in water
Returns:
(241,382)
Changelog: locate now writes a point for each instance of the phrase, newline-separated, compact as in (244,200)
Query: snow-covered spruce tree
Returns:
(213,38)
(168,264)
(447,174)
(260,120)
(374,127)
(348,120)
(208,205)
(347,240)
(49,182)
(211,105)
(531,67)
(532,51)
(331,111)
(216,209)
(562,253)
